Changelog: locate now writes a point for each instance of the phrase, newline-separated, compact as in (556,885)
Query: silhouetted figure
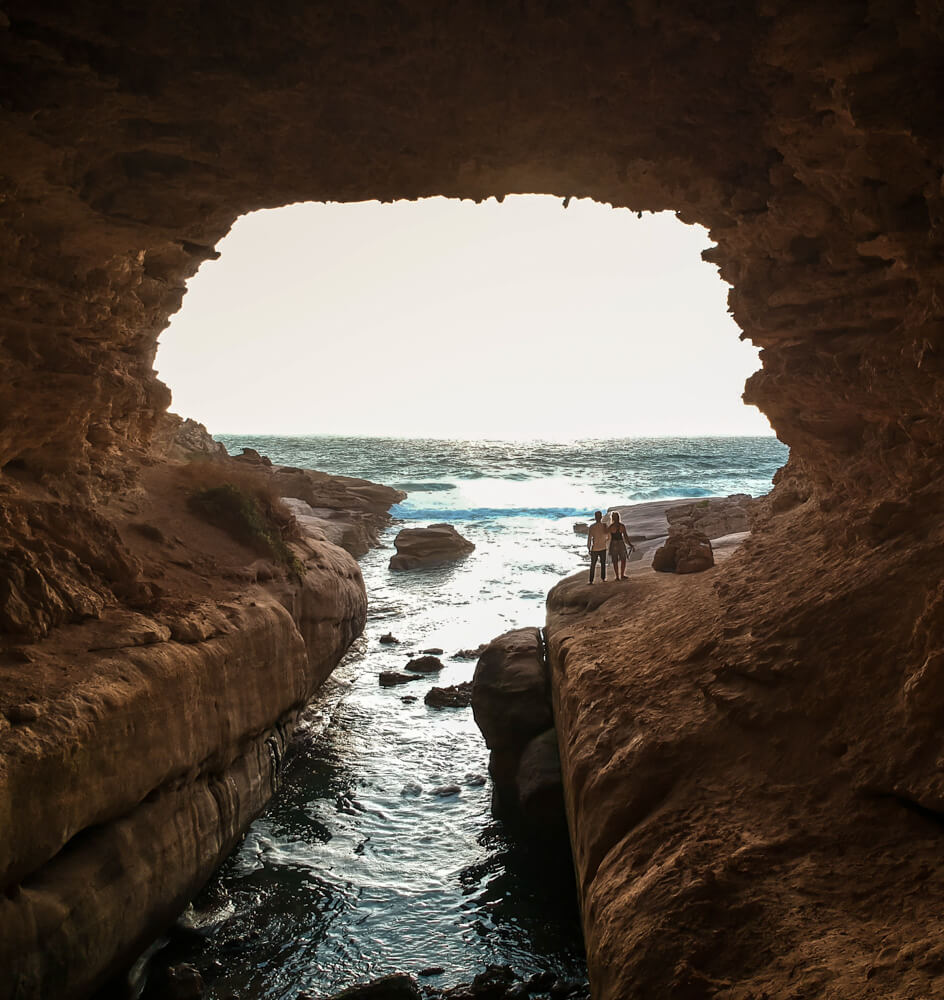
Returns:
(618,542)
(597,538)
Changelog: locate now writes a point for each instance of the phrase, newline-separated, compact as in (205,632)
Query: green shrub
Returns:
(243,516)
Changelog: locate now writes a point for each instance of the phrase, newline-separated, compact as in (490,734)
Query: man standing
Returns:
(597,539)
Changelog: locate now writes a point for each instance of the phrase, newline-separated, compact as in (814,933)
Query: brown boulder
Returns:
(685,551)
(390,678)
(540,787)
(425,665)
(510,697)
(431,546)
(455,696)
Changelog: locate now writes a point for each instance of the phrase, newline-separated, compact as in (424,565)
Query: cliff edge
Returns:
(754,790)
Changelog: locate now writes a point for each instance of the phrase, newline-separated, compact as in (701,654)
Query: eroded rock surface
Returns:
(511,703)
(153,668)
(684,551)
(745,769)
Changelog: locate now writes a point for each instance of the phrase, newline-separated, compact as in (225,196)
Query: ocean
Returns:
(359,868)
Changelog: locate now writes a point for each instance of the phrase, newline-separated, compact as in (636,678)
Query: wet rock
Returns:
(581,528)
(510,692)
(443,791)
(390,678)
(512,706)
(541,981)
(389,639)
(409,699)
(540,788)
(425,665)
(475,780)
(430,546)
(454,696)
(397,986)
(411,789)
(433,651)
(431,970)
(470,654)
(176,982)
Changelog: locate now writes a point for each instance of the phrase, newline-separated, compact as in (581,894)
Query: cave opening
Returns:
(530,318)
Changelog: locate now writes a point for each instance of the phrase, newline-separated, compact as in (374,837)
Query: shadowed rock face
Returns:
(805,136)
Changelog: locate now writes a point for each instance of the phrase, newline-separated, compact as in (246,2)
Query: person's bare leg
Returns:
(622,569)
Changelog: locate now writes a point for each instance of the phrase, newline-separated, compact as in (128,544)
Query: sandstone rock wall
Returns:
(148,697)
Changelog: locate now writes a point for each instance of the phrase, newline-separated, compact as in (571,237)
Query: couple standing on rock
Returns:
(613,535)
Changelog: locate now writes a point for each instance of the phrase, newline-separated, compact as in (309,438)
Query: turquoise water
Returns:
(359,868)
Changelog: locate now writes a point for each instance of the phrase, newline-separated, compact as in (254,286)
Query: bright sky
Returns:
(443,318)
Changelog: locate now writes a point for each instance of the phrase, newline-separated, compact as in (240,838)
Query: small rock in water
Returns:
(456,696)
(390,678)
(425,665)
(434,650)
(389,639)
(445,790)
(411,788)
(431,970)
(398,986)
(183,982)
(408,699)
(493,982)
(542,981)
(474,780)
(469,654)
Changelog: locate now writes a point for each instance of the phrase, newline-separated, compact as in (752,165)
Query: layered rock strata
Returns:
(153,670)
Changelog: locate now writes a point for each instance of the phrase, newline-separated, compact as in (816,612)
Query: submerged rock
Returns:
(397,986)
(430,546)
(389,639)
(390,678)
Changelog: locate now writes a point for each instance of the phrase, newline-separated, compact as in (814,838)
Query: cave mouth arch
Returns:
(806,137)
(515,319)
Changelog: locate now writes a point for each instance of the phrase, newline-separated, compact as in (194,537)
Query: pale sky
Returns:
(443,318)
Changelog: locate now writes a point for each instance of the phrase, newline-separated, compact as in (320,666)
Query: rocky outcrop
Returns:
(692,526)
(154,665)
(453,696)
(431,546)
(512,708)
(182,439)
(806,137)
(714,517)
(742,767)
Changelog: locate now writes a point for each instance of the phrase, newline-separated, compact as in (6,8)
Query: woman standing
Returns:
(618,542)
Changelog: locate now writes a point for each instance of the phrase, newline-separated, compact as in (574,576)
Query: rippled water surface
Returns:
(359,867)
